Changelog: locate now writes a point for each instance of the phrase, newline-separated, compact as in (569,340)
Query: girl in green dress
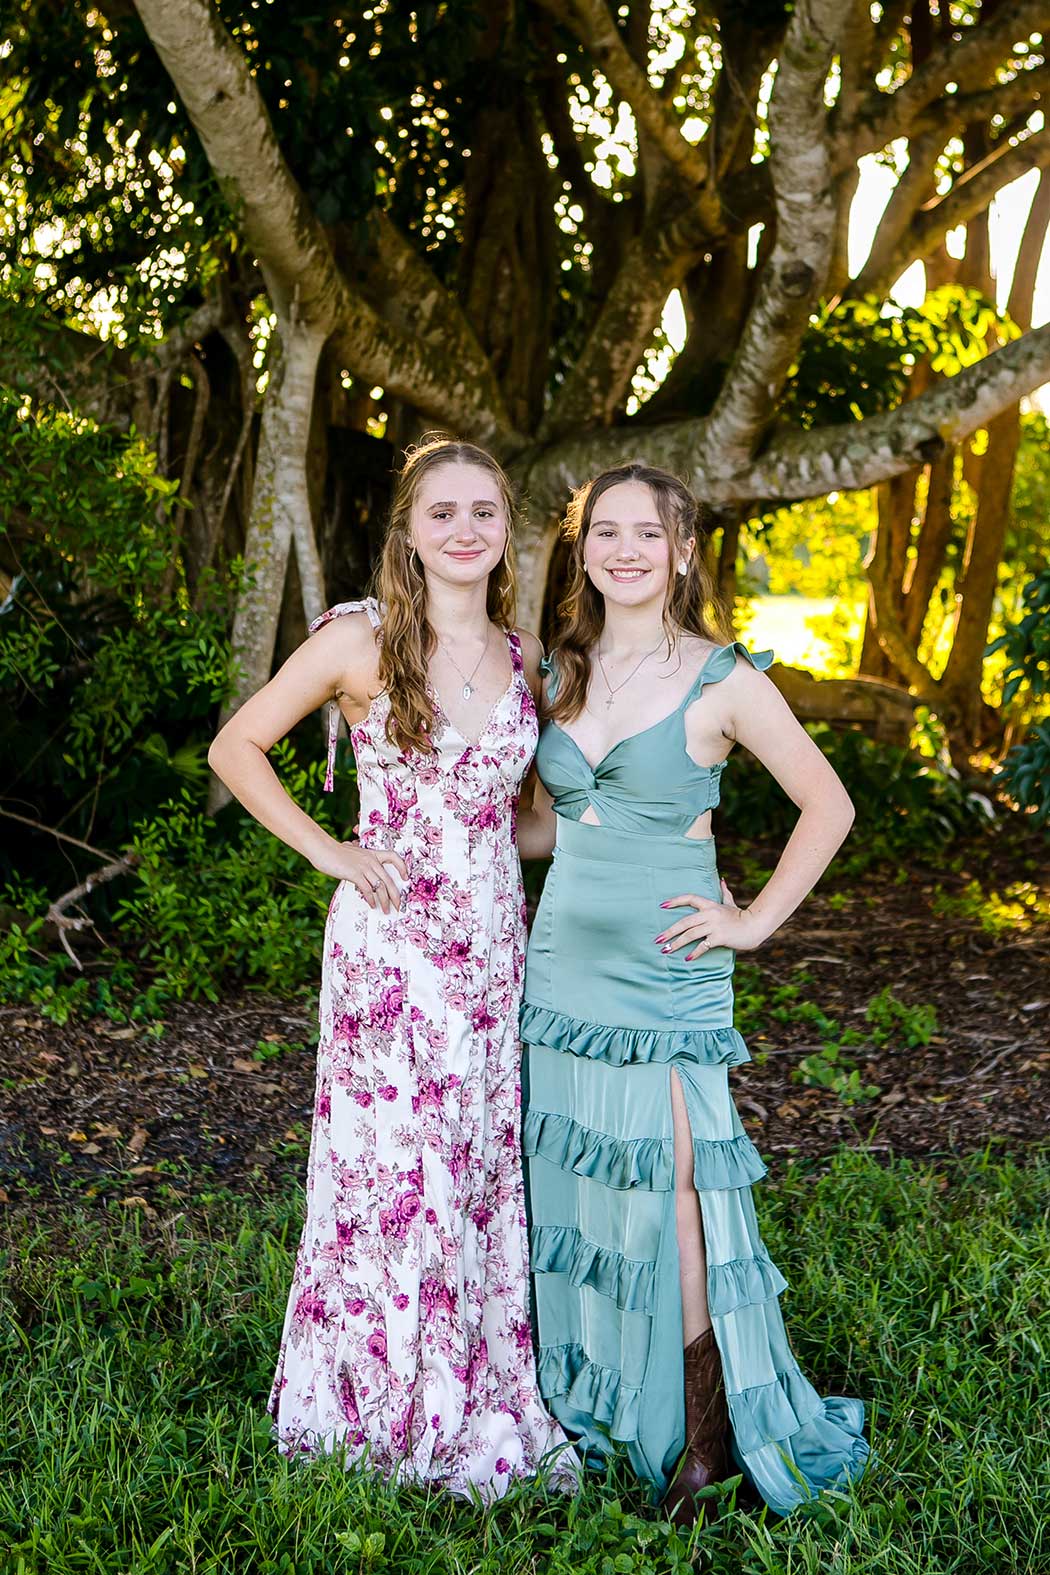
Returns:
(656,1300)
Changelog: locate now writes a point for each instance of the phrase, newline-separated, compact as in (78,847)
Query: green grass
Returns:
(138,1354)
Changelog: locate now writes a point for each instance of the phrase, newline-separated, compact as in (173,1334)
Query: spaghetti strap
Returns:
(517,661)
(370,606)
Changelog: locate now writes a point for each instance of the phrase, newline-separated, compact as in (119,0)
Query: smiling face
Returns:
(459,522)
(627,553)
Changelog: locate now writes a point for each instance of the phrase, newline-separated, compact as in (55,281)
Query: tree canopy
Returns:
(281,242)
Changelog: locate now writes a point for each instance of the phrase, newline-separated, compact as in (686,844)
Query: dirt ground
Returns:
(220,1098)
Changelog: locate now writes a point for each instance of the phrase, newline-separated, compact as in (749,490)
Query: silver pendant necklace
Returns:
(468,683)
(614,692)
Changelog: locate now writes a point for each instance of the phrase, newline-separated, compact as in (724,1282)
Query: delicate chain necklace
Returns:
(468,683)
(614,692)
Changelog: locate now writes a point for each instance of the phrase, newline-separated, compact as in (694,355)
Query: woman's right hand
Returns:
(369,869)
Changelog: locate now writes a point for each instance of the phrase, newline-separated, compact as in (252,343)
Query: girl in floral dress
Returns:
(407,1338)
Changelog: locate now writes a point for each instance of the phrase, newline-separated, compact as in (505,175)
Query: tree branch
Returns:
(591,24)
(829,459)
(917,180)
(222,99)
(798,264)
(96,377)
(807,464)
(655,263)
(924,229)
(1021,95)
(969,61)
(889,629)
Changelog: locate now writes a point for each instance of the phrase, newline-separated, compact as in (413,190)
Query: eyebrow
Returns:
(478,503)
(640,524)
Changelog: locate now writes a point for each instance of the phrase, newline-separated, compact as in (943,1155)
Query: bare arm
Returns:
(537,823)
(340,660)
(758,717)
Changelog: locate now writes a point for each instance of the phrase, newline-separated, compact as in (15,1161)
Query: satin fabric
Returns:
(607,1019)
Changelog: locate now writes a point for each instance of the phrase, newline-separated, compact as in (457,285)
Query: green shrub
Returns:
(210,902)
(904,802)
(110,670)
(1026,771)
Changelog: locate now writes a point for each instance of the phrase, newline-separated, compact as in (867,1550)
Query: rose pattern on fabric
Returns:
(407,1331)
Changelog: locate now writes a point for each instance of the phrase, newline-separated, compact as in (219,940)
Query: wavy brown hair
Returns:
(408,640)
(691,605)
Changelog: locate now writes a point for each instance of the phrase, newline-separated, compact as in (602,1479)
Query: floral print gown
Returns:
(407,1337)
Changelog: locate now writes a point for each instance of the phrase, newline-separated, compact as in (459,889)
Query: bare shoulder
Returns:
(352,632)
(344,653)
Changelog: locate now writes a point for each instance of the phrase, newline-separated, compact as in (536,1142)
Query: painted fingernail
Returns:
(667,948)
(658,937)
(665,905)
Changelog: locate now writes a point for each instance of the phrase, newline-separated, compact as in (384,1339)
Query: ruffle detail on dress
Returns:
(743,1282)
(722,663)
(828,1450)
(619,1163)
(566,1374)
(631,1046)
(560,1249)
(771,1413)
(721,1164)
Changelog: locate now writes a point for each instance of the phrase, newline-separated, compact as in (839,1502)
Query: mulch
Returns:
(219,1100)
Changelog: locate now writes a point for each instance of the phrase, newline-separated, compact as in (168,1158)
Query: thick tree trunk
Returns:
(896,507)
(976,589)
(280,514)
(533,547)
(932,546)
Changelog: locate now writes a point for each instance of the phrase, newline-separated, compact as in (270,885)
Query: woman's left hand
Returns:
(710,924)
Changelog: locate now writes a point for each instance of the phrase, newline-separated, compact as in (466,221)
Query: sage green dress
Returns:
(606,1018)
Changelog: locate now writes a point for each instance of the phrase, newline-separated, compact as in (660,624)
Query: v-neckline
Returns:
(472,743)
(679,708)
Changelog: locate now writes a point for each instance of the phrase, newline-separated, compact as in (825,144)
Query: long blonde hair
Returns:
(691,603)
(408,639)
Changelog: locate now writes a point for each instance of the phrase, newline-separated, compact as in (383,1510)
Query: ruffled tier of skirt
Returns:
(598,1140)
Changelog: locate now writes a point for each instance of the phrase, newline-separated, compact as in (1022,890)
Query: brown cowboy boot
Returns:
(706,1457)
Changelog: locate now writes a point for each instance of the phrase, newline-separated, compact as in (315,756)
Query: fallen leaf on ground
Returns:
(5,1196)
(76,1136)
(138,1140)
(137,1202)
(196,1070)
(122,1033)
(50,1056)
(788,1111)
(896,1096)
(91,1148)
(241,1065)
(105,1130)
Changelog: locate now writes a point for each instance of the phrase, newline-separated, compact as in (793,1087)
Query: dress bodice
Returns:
(461,788)
(648,782)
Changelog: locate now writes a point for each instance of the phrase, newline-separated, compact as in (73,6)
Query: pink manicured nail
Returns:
(665,905)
